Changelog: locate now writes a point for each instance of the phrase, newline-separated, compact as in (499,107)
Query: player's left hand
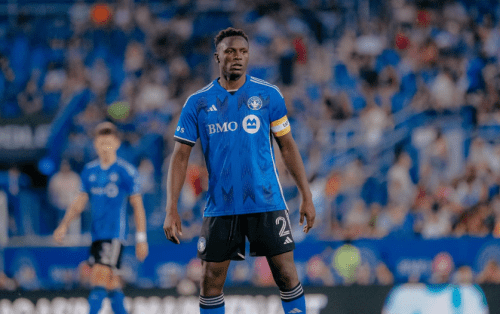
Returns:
(308,211)
(60,233)
(141,251)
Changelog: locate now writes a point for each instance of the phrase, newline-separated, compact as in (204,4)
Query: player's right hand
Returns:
(141,251)
(172,226)
(60,233)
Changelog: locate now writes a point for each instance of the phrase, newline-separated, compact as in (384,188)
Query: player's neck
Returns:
(232,85)
(107,161)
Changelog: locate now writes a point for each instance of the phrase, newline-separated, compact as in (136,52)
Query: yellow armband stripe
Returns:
(281,126)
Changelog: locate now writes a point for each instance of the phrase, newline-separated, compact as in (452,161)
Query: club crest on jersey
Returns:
(202,244)
(251,124)
(254,103)
(113,177)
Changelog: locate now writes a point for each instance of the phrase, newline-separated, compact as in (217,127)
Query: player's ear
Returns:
(216,56)
(118,142)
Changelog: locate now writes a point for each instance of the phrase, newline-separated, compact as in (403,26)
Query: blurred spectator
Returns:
(152,96)
(169,275)
(364,276)
(89,118)
(442,268)
(400,186)
(354,175)
(14,182)
(395,221)
(437,223)
(375,121)
(79,15)
(188,285)
(194,269)
(99,78)
(318,272)
(471,190)
(64,187)
(27,276)
(31,99)
(338,107)
(383,275)
(475,220)
(434,170)
(7,283)
(54,79)
(357,220)
(480,156)
(76,81)
(240,272)
(490,273)
(134,59)
(262,273)
(444,91)
(146,176)
(463,276)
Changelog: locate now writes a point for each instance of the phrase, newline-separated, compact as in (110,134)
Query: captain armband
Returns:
(280,127)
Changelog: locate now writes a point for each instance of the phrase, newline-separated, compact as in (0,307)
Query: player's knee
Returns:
(212,280)
(212,276)
(211,272)
(286,277)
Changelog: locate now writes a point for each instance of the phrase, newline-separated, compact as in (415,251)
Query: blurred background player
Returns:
(234,116)
(107,182)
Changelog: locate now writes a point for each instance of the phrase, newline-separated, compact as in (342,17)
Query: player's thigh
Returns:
(269,233)
(284,271)
(101,275)
(115,282)
(105,257)
(221,239)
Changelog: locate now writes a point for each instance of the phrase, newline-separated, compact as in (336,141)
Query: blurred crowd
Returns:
(393,104)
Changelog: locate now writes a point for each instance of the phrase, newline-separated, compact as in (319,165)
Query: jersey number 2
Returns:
(283,232)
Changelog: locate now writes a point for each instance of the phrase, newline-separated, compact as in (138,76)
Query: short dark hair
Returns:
(229,32)
(105,128)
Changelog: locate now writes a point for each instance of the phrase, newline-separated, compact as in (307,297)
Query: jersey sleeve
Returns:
(187,127)
(84,176)
(279,120)
(132,184)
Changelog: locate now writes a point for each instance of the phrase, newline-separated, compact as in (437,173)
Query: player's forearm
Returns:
(294,164)
(139,212)
(175,179)
(75,209)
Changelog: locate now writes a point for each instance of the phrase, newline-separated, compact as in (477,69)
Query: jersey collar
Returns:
(217,85)
(109,166)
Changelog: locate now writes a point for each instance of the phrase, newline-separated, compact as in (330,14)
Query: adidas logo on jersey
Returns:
(212,108)
(288,240)
(295,310)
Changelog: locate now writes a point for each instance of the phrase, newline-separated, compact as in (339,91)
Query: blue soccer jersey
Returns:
(235,132)
(108,191)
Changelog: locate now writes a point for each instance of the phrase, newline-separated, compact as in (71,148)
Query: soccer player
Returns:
(107,182)
(236,117)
